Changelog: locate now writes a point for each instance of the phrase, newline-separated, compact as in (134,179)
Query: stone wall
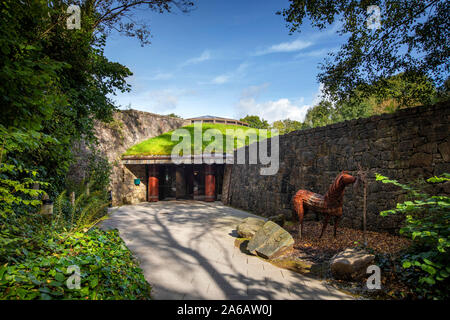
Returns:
(128,128)
(409,144)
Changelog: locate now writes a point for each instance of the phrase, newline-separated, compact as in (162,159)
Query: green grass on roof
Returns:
(163,145)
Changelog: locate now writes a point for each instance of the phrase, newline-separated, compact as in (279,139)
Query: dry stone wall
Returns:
(407,145)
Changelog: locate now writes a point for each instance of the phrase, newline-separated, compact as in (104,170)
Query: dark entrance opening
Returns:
(167,182)
(189,181)
(198,182)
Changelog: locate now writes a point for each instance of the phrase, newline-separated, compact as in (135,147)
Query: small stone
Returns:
(350,264)
(270,241)
(421,160)
(444,149)
(446,187)
(249,227)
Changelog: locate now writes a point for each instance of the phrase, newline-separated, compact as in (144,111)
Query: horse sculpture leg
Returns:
(300,212)
(336,220)
(301,228)
(325,222)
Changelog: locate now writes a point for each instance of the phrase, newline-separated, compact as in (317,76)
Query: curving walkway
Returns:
(186,249)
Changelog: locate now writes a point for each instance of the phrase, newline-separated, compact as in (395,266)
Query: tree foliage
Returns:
(287,125)
(399,93)
(428,225)
(320,115)
(255,122)
(55,84)
(173,115)
(117,15)
(413,40)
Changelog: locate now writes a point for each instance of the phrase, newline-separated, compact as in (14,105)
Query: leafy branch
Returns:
(428,225)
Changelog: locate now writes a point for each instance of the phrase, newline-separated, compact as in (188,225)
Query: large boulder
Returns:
(249,227)
(350,264)
(270,241)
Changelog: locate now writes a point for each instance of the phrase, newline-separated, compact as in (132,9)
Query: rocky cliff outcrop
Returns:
(128,128)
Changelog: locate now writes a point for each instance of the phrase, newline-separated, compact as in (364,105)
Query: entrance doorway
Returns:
(189,181)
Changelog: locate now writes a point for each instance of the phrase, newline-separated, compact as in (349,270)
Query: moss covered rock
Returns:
(249,227)
(350,264)
(270,241)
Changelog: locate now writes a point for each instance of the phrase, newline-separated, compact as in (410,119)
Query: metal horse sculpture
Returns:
(330,204)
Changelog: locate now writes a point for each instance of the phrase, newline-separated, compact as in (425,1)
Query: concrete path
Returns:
(186,249)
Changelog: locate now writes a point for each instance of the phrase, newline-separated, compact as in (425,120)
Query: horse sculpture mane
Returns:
(335,192)
(330,204)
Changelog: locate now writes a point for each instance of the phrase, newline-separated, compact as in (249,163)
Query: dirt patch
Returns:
(316,250)
(311,256)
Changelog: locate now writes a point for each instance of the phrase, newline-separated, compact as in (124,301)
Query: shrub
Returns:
(91,169)
(108,269)
(36,252)
(427,223)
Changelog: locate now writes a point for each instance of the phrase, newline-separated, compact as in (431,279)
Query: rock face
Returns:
(249,227)
(128,128)
(405,145)
(270,241)
(350,264)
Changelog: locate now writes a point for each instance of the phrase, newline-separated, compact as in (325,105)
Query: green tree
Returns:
(256,122)
(427,222)
(287,125)
(398,93)
(54,84)
(412,39)
(320,115)
(118,15)
(56,81)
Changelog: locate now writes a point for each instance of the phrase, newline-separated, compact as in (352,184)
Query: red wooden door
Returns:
(210,183)
(153,183)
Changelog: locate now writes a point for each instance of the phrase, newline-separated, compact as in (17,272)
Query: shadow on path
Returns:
(186,250)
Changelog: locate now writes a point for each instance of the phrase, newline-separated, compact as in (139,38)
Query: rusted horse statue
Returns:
(330,204)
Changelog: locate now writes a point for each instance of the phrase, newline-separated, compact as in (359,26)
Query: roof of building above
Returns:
(214,119)
(205,117)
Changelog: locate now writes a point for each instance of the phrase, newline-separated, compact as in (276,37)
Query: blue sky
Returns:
(225,58)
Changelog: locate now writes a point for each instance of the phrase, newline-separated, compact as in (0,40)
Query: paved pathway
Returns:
(187,251)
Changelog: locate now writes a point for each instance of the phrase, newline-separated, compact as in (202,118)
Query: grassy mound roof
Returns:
(163,144)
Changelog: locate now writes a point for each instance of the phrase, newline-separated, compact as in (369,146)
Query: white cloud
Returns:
(164,100)
(273,110)
(320,95)
(162,76)
(308,40)
(317,53)
(221,79)
(227,77)
(206,55)
(313,53)
(291,46)
(157,101)
(254,91)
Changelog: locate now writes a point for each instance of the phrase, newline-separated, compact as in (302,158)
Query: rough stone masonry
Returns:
(409,144)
